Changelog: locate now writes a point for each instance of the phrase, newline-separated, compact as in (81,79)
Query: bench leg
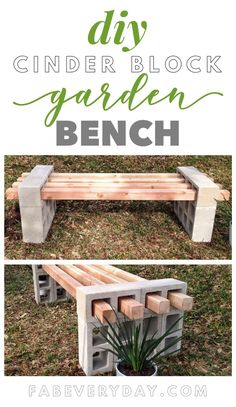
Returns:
(36,215)
(198,217)
(92,358)
(46,289)
(36,221)
(197,221)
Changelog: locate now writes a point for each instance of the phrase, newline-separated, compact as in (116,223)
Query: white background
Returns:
(182,28)
(179,28)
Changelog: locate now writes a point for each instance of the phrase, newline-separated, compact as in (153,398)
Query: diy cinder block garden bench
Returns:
(194,194)
(103,292)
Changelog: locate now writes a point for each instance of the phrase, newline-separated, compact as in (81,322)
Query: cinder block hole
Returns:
(170,320)
(180,212)
(100,360)
(178,290)
(185,219)
(186,204)
(44,295)
(61,293)
(190,227)
(98,339)
(44,281)
(153,325)
(160,293)
(191,211)
(108,300)
(124,296)
(174,347)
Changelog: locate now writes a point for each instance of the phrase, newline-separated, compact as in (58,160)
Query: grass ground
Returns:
(42,340)
(117,230)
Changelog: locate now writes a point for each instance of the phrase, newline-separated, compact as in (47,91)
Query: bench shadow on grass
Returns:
(145,229)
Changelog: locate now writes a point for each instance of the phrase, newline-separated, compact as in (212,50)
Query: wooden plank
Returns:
(119,273)
(107,186)
(180,301)
(101,275)
(80,275)
(111,175)
(157,304)
(222,195)
(11,193)
(114,181)
(103,311)
(123,195)
(65,281)
(131,308)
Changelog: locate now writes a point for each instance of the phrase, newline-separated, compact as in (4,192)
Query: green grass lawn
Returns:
(117,229)
(42,340)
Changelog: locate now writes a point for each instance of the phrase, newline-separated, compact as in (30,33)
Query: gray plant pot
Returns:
(118,372)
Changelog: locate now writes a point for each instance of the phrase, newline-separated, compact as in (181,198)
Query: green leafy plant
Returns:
(133,346)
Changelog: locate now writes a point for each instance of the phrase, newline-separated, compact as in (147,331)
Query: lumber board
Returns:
(180,301)
(103,311)
(120,273)
(131,308)
(122,194)
(98,182)
(80,275)
(104,276)
(66,281)
(157,304)
(222,195)
(111,185)
(111,175)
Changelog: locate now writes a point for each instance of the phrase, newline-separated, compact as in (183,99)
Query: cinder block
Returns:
(109,292)
(167,321)
(93,356)
(29,189)
(206,188)
(36,215)
(198,217)
(46,289)
(197,221)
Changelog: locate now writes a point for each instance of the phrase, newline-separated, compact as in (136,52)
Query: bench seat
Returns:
(193,192)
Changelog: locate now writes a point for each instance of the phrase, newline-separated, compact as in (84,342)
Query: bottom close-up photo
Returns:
(117,320)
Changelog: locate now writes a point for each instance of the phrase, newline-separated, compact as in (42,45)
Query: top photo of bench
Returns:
(194,195)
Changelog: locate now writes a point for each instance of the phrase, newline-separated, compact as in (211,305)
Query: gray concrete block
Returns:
(29,189)
(93,356)
(36,221)
(198,217)
(197,221)
(161,287)
(203,225)
(46,289)
(167,321)
(206,188)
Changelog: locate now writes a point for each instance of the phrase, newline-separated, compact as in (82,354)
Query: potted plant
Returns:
(137,351)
